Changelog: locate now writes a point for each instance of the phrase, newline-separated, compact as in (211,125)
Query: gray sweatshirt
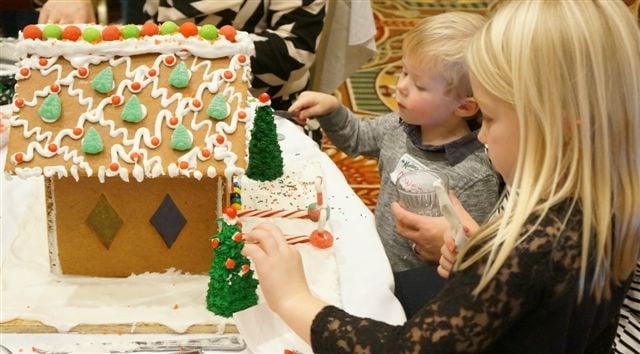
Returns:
(463,162)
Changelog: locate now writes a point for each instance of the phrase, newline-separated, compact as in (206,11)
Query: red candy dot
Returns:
(83,72)
(197,103)
(114,167)
(134,156)
(188,29)
(206,153)
(136,86)
(32,32)
(245,268)
(149,29)
(238,237)
(215,243)
(111,33)
(71,33)
(77,131)
(24,71)
(152,73)
(264,97)
(173,120)
(228,75)
(115,100)
(19,102)
(230,263)
(184,165)
(43,62)
(220,139)
(52,147)
(19,157)
(321,239)
(169,60)
(228,32)
(54,88)
(242,114)
(155,141)
(230,212)
(242,59)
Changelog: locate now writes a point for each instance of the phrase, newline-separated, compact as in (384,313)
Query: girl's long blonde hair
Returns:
(571,69)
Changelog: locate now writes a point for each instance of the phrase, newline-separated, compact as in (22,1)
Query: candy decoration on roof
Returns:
(209,32)
(103,82)
(181,139)
(32,32)
(265,155)
(52,31)
(179,77)
(232,287)
(130,31)
(228,32)
(91,35)
(218,107)
(168,27)
(133,111)
(71,33)
(51,108)
(92,142)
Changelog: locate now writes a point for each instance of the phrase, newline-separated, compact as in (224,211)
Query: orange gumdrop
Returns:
(228,32)
(111,33)
(321,239)
(149,29)
(71,33)
(188,29)
(32,32)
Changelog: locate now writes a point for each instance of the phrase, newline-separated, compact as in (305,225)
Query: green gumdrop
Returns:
(52,31)
(218,108)
(180,139)
(132,111)
(130,31)
(179,77)
(91,34)
(208,32)
(103,82)
(168,27)
(51,108)
(92,142)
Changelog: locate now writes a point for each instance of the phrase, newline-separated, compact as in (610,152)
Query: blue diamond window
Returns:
(168,221)
(105,221)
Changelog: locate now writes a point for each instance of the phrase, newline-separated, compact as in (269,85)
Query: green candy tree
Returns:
(265,155)
(232,287)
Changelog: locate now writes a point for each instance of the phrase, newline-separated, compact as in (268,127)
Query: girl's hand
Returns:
(448,257)
(67,11)
(313,104)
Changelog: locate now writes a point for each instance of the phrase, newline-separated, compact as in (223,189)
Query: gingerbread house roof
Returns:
(130,102)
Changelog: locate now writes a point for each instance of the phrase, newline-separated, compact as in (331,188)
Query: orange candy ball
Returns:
(71,33)
(32,32)
(111,33)
(188,29)
(321,239)
(149,29)
(228,32)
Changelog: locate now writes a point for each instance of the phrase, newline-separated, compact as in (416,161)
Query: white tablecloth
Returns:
(365,275)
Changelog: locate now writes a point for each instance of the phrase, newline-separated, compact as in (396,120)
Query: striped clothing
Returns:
(285,32)
(628,337)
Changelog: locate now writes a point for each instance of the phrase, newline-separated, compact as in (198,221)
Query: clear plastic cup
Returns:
(416,193)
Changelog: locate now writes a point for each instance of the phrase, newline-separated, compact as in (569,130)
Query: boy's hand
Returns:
(313,104)
(425,232)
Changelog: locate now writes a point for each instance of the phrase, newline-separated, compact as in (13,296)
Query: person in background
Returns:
(435,129)
(557,82)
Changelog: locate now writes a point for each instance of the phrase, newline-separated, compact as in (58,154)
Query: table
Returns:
(365,275)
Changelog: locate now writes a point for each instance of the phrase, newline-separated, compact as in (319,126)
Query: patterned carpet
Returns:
(369,92)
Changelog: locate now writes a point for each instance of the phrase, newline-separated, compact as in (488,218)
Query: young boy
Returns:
(435,128)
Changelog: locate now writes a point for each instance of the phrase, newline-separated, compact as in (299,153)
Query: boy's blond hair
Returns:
(439,42)
(571,70)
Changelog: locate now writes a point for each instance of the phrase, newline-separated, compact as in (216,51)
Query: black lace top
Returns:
(530,306)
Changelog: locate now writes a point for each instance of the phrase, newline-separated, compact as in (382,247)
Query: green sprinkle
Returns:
(103,82)
(51,108)
(218,108)
(168,27)
(179,77)
(130,31)
(52,32)
(92,142)
(180,139)
(208,32)
(133,110)
(91,34)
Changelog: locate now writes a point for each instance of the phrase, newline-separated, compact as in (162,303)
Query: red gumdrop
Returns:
(149,29)
(111,33)
(228,32)
(321,239)
(230,212)
(188,29)
(264,97)
(71,33)
(32,32)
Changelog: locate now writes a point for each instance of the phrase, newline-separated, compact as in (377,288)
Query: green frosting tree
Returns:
(92,142)
(265,155)
(180,139)
(103,82)
(218,108)
(179,77)
(51,108)
(132,111)
(232,287)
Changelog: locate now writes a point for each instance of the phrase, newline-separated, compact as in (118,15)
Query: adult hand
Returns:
(67,11)
(313,104)
(278,265)
(425,232)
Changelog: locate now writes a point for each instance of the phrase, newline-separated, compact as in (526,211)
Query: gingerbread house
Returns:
(137,131)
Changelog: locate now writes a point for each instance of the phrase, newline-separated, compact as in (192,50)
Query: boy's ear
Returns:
(468,107)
